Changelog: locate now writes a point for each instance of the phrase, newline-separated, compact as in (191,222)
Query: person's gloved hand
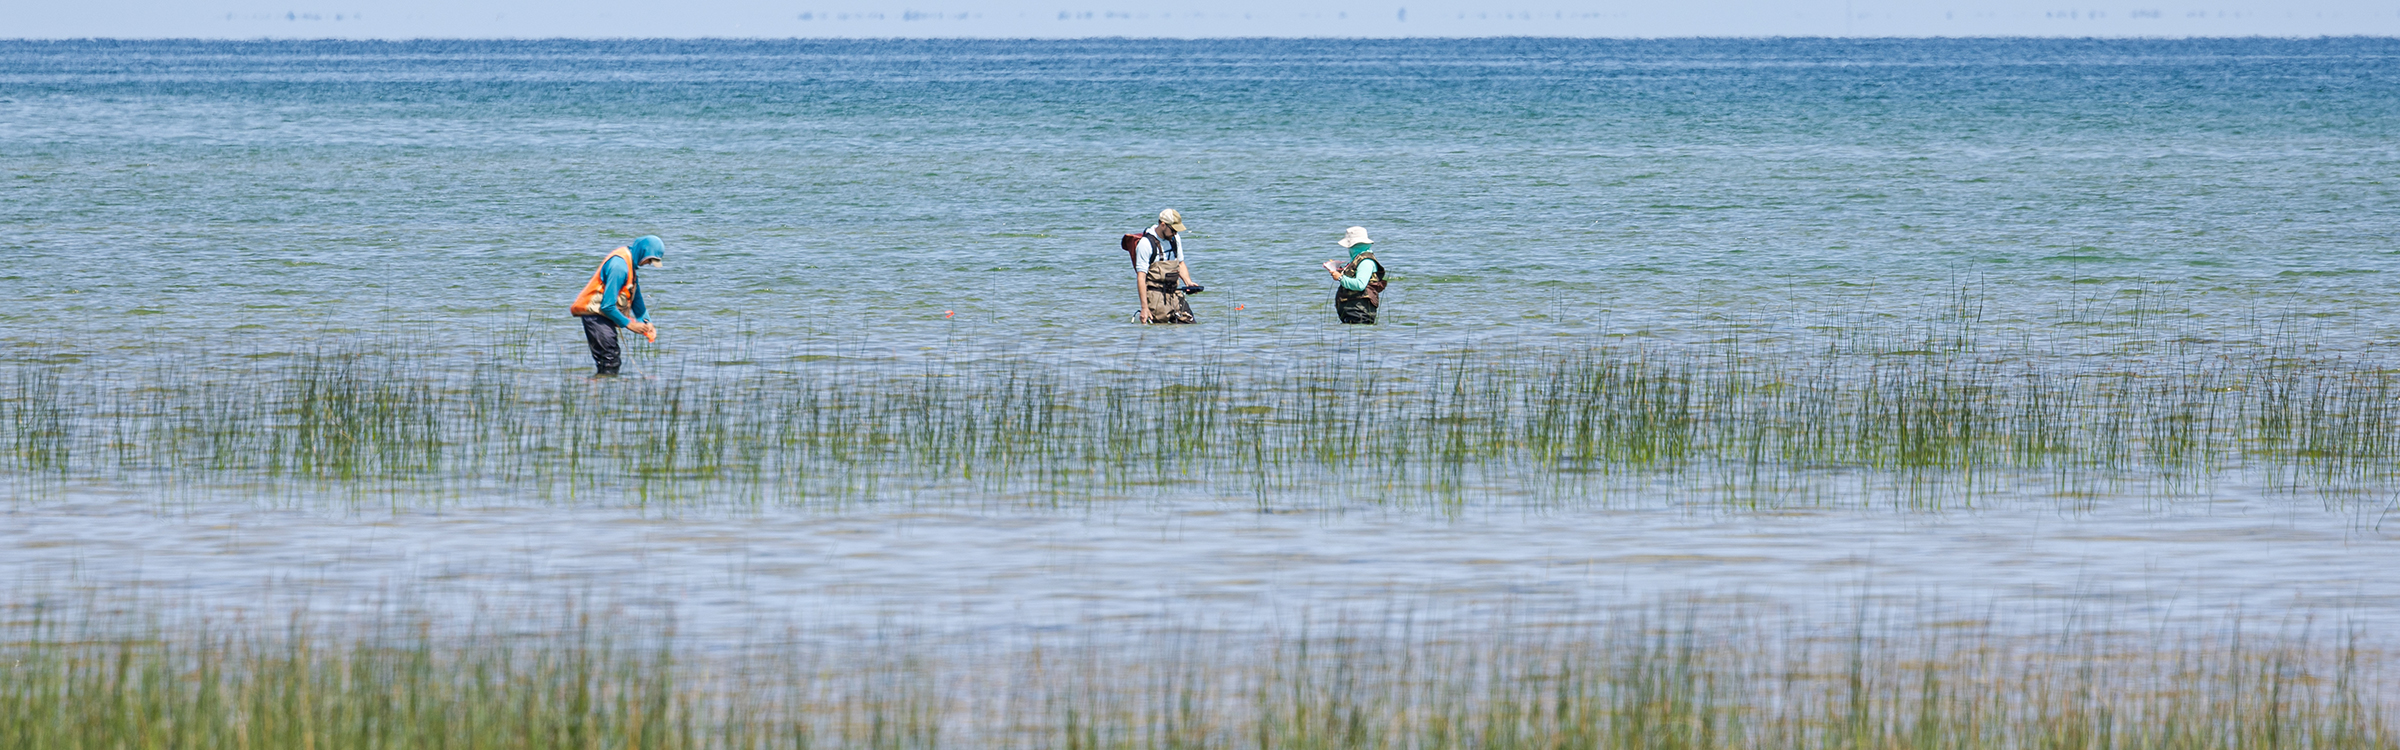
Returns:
(1194,289)
(645,329)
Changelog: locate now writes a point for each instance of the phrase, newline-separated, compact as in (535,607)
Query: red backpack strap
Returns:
(1132,244)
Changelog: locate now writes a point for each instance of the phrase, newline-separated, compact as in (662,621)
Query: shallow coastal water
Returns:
(1005,578)
(201,213)
(1528,189)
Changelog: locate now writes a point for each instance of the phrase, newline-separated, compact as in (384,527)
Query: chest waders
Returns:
(1162,286)
(1358,306)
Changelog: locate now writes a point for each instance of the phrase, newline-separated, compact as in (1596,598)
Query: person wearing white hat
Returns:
(1161,277)
(1360,290)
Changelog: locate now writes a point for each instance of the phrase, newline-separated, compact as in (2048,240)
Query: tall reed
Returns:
(1539,422)
(1670,683)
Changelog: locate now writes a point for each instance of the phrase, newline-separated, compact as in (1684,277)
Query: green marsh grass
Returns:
(1671,683)
(1535,423)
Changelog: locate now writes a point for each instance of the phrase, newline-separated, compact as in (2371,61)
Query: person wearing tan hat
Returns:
(1161,278)
(1361,280)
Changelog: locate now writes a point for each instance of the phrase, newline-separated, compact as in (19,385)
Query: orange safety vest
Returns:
(588,303)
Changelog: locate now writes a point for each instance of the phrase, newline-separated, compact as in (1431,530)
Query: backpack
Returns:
(1132,244)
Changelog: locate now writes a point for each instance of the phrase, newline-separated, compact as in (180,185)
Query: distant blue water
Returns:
(2081,203)
(1525,189)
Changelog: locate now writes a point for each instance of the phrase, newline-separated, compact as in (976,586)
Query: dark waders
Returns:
(601,334)
(1358,307)
(1354,309)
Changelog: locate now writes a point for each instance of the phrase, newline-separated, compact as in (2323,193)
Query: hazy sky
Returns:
(399,19)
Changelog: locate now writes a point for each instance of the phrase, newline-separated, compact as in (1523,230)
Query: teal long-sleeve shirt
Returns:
(1357,282)
(613,276)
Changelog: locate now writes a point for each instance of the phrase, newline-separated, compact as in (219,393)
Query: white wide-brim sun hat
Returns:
(1355,236)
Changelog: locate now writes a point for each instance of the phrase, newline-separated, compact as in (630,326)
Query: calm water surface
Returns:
(203,207)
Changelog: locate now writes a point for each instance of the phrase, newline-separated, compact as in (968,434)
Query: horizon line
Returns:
(964,38)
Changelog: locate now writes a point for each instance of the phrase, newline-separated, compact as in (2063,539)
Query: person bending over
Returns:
(613,300)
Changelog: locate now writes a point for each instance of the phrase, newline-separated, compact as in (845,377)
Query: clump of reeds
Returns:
(1693,685)
(1547,422)
(38,422)
(304,687)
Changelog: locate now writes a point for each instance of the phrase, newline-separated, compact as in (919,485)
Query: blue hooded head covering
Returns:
(648,247)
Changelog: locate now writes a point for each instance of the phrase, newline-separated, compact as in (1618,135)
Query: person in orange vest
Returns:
(613,300)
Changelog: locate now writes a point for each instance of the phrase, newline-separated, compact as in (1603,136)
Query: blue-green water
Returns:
(2095,205)
(262,193)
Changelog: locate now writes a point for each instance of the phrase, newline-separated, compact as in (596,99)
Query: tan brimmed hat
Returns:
(1173,220)
(1355,236)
